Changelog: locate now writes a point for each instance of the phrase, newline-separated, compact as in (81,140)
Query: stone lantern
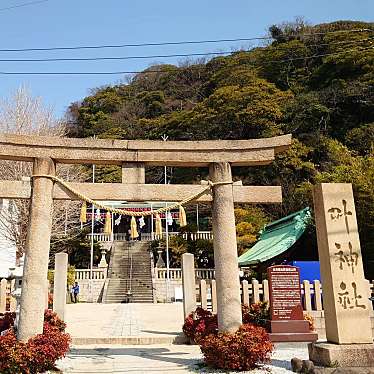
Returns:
(160,262)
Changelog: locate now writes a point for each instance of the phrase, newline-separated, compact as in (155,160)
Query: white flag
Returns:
(141,222)
(169,219)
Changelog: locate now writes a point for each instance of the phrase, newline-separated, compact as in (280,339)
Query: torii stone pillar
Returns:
(133,172)
(35,271)
(225,249)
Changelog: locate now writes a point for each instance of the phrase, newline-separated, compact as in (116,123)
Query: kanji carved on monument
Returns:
(344,286)
(348,258)
(345,291)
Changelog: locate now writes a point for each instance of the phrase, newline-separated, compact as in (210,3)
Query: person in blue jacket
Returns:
(76,291)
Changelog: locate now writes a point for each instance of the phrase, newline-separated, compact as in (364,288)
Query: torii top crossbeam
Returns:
(150,152)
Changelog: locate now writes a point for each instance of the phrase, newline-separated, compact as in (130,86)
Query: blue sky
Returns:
(90,22)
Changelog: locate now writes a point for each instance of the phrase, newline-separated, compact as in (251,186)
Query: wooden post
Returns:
(225,249)
(35,271)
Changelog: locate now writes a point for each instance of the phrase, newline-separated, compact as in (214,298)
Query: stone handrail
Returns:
(101,237)
(81,274)
(176,273)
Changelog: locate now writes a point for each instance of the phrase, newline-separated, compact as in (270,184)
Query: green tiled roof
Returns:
(276,237)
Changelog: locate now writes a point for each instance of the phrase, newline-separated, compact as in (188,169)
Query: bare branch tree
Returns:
(24,114)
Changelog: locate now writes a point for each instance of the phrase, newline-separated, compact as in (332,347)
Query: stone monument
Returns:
(345,290)
(287,319)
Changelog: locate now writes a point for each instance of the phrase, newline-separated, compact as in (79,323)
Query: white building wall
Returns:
(7,248)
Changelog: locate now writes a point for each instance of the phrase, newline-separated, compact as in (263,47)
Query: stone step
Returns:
(127,280)
(124,297)
(126,300)
(119,273)
(131,340)
(134,284)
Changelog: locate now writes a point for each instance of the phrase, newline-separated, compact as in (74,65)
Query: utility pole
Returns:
(92,237)
(165,138)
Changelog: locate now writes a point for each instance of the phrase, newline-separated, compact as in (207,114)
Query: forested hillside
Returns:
(315,82)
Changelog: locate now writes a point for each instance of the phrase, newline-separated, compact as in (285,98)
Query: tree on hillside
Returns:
(315,82)
(25,114)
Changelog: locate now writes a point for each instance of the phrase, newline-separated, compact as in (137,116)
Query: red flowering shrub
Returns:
(7,321)
(39,354)
(242,350)
(14,356)
(310,319)
(50,300)
(53,320)
(257,314)
(200,323)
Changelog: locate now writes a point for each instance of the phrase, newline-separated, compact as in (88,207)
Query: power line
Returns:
(169,43)
(23,4)
(113,58)
(176,69)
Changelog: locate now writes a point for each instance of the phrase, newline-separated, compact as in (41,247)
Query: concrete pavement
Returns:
(162,359)
(125,323)
(104,336)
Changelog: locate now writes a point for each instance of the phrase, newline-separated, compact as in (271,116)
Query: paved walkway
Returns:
(151,323)
(90,323)
(162,359)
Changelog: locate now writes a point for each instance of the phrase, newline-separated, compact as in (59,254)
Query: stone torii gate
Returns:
(133,156)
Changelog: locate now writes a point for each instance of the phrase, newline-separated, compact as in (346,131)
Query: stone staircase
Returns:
(118,281)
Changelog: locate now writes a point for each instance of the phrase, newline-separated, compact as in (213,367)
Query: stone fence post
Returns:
(60,284)
(3,287)
(188,282)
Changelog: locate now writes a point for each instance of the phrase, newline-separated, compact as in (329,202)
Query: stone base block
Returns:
(347,370)
(343,355)
(298,326)
(293,337)
(291,331)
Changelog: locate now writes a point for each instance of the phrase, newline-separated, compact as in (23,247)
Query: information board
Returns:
(285,293)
